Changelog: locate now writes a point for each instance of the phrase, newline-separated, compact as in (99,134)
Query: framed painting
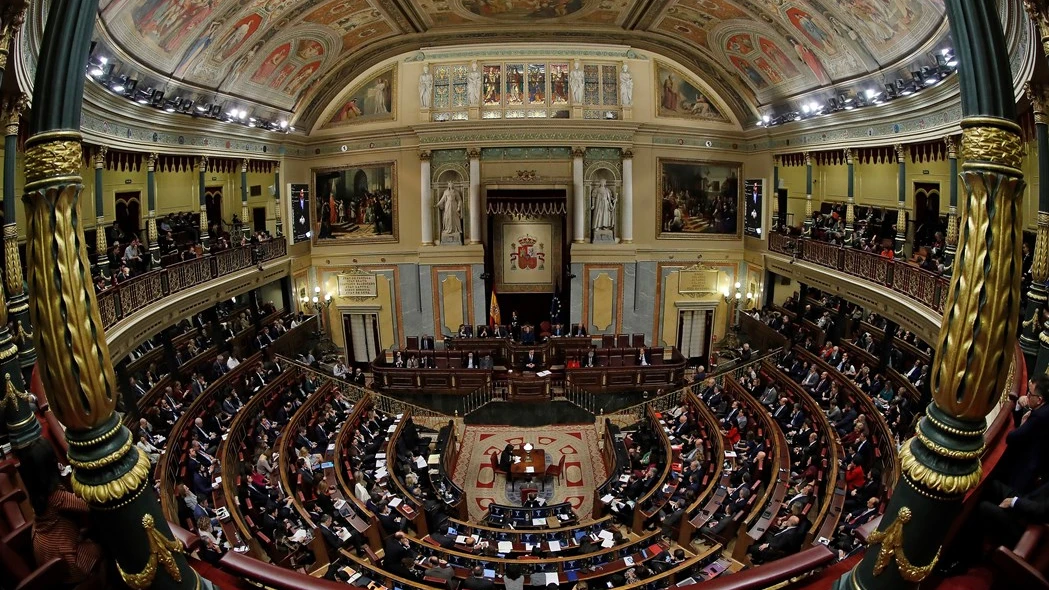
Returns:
(678,98)
(700,199)
(374,100)
(354,204)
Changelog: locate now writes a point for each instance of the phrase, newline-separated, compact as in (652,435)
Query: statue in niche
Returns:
(425,87)
(603,212)
(473,86)
(626,87)
(575,83)
(451,207)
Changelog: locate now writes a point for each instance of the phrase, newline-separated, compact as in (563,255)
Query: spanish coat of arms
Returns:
(527,254)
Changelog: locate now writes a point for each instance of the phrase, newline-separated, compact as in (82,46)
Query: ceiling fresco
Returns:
(294,54)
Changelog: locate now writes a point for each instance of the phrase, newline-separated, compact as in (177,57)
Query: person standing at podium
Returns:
(531,363)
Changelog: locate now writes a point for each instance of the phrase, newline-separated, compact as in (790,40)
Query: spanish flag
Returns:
(494,317)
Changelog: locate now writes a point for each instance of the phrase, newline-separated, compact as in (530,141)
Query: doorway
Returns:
(694,330)
(129,213)
(213,205)
(362,338)
(258,218)
(927,212)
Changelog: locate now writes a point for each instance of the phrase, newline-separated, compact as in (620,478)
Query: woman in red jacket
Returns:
(854,477)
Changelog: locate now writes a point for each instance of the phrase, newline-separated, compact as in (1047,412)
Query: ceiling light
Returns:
(814,107)
(765,118)
(805,108)
(96,71)
(118,88)
(283,124)
(871,93)
(203,107)
(946,51)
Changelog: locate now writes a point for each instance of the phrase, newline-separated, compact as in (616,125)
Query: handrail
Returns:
(121,301)
(668,449)
(924,287)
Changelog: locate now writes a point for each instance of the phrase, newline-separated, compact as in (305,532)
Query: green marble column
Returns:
(952,211)
(276,204)
(808,192)
(1036,294)
(101,244)
(978,334)
(109,471)
(850,204)
(14,280)
(151,202)
(202,165)
(900,242)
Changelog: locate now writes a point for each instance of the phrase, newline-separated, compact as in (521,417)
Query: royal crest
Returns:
(528,254)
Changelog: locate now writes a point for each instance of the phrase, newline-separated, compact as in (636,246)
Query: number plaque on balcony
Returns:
(697,280)
(357,284)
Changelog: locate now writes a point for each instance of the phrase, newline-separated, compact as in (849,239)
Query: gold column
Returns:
(202,165)
(901,196)
(952,210)
(151,222)
(244,193)
(101,245)
(808,191)
(13,278)
(850,204)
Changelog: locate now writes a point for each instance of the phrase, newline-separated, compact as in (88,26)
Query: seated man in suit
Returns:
(557,330)
(483,332)
(506,458)
(531,362)
(591,359)
(642,357)
(579,330)
(464,331)
(487,362)
(783,542)
(527,335)
(534,501)
(477,581)
(470,362)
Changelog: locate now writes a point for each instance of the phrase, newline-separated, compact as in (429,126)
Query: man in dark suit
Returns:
(1004,514)
(477,581)
(396,549)
(591,359)
(783,542)
(506,457)
(1025,446)
(531,363)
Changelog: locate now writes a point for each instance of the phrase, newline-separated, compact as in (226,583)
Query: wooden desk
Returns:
(527,387)
(535,459)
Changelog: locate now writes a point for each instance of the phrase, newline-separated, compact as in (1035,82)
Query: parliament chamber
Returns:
(394,294)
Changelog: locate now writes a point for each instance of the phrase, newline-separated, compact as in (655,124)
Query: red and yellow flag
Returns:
(494,317)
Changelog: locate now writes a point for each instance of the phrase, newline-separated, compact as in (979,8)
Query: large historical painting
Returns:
(527,254)
(700,199)
(374,100)
(678,98)
(355,204)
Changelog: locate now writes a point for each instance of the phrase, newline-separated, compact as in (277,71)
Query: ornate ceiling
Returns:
(296,55)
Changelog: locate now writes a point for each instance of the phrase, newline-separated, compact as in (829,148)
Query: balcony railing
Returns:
(924,287)
(123,300)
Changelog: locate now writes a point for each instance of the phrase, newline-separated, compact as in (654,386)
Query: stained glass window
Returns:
(558,83)
(491,92)
(609,85)
(459,73)
(515,81)
(441,79)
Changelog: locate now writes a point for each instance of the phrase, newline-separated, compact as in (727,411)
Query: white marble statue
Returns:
(451,207)
(603,207)
(575,83)
(425,87)
(626,87)
(473,86)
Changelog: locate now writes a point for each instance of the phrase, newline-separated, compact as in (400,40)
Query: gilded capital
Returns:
(1038,94)
(151,161)
(244,165)
(202,164)
(952,148)
(776,160)
(901,153)
(808,158)
(100,156)
(578,152)
(474,153)
(1038,10)
(424,155)
(848,156)
(13,108)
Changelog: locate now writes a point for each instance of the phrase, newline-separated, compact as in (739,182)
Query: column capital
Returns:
(628,154)
(100,156)
(425,155)
(11,18)
(848,156)
(474,153)
(808,158)
(13,108)
(151,161)
(578,151)
(202,164)
(1038,94)
(244,165)
(777,159)
(952,147)
(901,153)
(1038,10)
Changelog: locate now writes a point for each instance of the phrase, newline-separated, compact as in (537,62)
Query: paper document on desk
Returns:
(517,459)
(624,478)
(506,547)
(607,535)
(554,545)
(344,534)
(629,561)
(420,462)
(606,498)
(608,543)
(460,540)
(433,460)
(542,373)
(395,502)
(331,447)
(391,428)
(380,455)
(538,522)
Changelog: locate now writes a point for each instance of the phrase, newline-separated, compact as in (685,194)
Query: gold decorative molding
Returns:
(891,541)
(776,161)
(12,259)
(424,155)
(628,154)
(1038,94)
(151,161)
(52,157)
(578,152)
(952,147)
(901,153)
(13,108)
(848,156)
(473,153)
(112,491)
(12,395)
(1040,260)
(100,157)
(992,142)
(934,480)
(1038,10)
(202,164)
(161,552)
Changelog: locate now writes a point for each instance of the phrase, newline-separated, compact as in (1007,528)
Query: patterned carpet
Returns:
(584,469)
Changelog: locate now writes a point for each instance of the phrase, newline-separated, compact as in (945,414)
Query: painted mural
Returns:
(699,199)
(677,97)
(355,204)
(374,100)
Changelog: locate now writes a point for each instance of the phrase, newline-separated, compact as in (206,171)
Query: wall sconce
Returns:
(316,304)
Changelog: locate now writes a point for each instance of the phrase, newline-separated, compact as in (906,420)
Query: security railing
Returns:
(122,301)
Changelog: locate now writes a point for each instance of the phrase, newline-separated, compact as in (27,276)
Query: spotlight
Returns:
(890,91)
(766,119)
(283,124)
(805,108)
(929,75)
(203,107)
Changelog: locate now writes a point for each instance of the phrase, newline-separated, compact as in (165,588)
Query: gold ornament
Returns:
(12,395)
(51,158)
(1040,260)
(111,491)
(891,541)
(161,552)
(13,276)
(76,368)
(993,144)
(934,480)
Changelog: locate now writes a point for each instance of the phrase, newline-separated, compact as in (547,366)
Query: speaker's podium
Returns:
(526,386)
